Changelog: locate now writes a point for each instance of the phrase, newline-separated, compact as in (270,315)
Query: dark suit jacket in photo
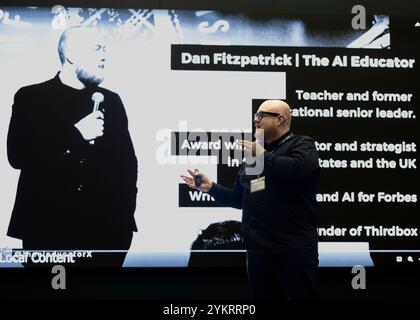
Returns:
(70,193)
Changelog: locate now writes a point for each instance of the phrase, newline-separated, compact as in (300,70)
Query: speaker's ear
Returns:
(69,61)
(71,54)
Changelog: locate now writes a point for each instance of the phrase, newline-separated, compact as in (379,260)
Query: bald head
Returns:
(77,39)
(277,106)
(272,120)
(82,52)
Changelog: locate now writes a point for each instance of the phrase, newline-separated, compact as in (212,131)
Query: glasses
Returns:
(261,114)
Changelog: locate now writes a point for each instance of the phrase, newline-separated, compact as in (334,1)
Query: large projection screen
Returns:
(184,73)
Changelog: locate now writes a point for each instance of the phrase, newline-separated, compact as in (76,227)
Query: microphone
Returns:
(97,98)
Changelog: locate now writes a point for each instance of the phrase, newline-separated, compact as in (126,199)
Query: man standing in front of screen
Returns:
(279,207)
(70,139)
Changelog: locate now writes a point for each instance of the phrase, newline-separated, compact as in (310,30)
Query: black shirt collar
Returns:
(275,143)
(88,87)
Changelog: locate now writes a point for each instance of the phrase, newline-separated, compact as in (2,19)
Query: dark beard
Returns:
(86,79)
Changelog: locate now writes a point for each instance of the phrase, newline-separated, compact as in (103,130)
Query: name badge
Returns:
(257,184)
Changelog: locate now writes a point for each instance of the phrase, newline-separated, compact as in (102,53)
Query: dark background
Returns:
(222,283)
(199,284)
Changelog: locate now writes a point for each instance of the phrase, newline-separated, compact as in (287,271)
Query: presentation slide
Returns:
(190,82)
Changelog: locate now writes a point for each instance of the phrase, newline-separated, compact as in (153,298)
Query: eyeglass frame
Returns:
(261,114)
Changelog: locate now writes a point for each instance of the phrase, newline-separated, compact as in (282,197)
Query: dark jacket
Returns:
(282,217)
(68,188)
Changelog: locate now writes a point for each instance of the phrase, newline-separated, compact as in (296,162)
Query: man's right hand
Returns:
(205,181)
(91,126)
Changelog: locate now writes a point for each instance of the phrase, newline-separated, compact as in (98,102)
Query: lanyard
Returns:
(282,142)
(279,145)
